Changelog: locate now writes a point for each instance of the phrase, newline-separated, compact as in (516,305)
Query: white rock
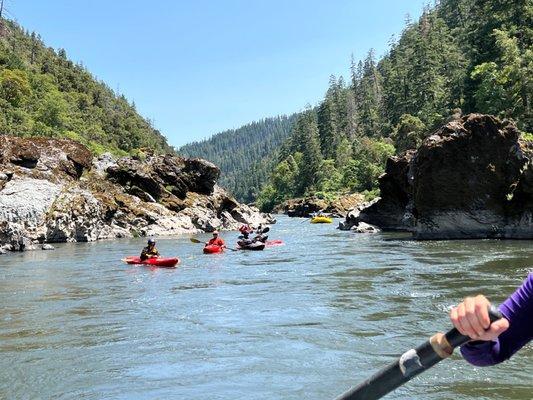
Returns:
(363,227)
(27,200)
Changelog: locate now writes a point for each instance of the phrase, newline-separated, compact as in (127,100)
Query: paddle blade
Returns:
(195,240)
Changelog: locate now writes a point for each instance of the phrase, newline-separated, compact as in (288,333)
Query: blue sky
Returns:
(198,67)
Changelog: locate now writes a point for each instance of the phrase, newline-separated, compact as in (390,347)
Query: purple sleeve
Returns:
(518,309)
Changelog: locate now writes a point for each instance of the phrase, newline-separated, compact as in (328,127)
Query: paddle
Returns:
(411,363)
(194,240)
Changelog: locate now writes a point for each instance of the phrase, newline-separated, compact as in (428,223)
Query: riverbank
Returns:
(53,190)
(306,206)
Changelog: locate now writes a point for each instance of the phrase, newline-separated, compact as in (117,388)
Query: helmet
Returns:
(215,232)
(151,241)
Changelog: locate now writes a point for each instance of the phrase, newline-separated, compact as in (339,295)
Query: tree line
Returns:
(43,93)
(245,155)
(461,56)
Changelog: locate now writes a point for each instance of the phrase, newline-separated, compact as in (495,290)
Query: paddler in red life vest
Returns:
(149,251)
(245,229)
(216,241)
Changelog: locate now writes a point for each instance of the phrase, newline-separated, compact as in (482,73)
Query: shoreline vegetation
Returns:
(460,57)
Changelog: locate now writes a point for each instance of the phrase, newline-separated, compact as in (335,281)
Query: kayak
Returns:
(154,262)
(213,248)
(321,220)
(252,246)
(276,242)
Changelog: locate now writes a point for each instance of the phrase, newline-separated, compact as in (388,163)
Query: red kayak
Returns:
(276,242)
(213,248)
(160,262)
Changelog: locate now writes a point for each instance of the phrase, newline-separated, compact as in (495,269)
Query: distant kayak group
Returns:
(250,239)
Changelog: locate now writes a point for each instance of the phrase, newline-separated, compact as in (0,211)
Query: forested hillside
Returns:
(461,56)
(245,155)
(43,93)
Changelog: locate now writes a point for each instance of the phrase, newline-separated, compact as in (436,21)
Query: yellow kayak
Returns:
(321,220)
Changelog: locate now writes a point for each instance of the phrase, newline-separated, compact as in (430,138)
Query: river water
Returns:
(302,321)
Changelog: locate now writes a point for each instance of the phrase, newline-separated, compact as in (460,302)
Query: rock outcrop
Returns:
(472,178)
(393,210)
(304,207)
(54,191)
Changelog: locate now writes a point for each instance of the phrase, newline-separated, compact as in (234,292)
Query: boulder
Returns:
(392,211)
(472,178)
(26,200)
(101,163)
(53,159)
(363,227)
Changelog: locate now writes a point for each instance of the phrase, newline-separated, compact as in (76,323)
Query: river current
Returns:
(306,320)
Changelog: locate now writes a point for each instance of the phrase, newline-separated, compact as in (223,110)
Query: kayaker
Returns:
(505,336)
(216,240)
(245,241)
(150,250)
(245,228)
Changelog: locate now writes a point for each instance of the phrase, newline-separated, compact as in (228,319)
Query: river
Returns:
(306,320)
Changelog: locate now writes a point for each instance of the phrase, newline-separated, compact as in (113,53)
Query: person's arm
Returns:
(504,337)
(143,254)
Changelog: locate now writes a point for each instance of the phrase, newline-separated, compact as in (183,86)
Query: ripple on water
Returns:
(304,320)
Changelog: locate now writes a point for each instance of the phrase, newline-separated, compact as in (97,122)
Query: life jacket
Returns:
(148,252)
(245,228)
(216,242)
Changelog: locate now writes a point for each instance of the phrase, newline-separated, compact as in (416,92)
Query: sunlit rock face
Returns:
(54,191)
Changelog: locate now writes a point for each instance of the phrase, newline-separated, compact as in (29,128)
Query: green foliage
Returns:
(409,133)
(43,93)
(246,156)
(268,198)
(309,146)
(14,86)
(329,178)
(505,85)
(527,136)
(468,55)
(370,194)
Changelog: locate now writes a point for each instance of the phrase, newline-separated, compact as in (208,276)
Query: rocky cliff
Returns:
(472,178)
(54,191)
(304,207)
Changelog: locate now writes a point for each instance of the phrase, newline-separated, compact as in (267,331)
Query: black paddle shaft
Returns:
(410,364)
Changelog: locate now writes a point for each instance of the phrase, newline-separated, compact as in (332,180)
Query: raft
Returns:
(321,220)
